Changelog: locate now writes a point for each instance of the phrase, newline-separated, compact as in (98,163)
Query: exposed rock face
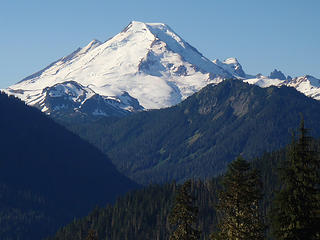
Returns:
(275,74)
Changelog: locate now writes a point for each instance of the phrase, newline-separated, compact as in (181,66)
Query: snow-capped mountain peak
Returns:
(306,84)
(148,61)
(162,33)
(145,66)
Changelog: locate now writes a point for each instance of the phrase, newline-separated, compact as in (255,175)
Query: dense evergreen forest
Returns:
(200,136)
(48,175)
(149,213)
(143,214)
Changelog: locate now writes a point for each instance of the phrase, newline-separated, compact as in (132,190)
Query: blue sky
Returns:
(263,35)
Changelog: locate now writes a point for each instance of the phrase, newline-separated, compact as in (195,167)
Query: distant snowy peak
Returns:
(145,66)
(148,61)
(70,97)
(169,41)
(306,79)
(275,74)
(307,84)
(232,66)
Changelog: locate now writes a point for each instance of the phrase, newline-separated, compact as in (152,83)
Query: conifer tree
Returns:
(296,208)
(92,235)
(238,206)
(184,215)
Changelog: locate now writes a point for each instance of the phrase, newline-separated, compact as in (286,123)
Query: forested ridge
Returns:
(200,136)
(147,213)
(143,214)
(48,175)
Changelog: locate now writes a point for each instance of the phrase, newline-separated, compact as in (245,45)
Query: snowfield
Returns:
(146,66)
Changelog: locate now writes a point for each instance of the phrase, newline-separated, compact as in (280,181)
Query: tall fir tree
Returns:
(92,235)
(238,207)
(183,217)
(296,208)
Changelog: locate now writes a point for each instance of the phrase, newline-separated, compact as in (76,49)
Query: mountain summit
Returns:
(145,66)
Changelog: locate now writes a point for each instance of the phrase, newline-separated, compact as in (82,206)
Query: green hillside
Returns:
(200,136)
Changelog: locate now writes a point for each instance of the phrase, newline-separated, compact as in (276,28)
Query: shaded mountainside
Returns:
(143,214)
(200,136)
(48,175)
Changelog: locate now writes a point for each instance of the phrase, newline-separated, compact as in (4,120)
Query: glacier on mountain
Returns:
(146,66)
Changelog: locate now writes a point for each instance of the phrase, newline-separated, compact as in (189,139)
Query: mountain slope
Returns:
(48,175)
(146,66)
(148,62)
(232,66)
(143,214)
(200,136)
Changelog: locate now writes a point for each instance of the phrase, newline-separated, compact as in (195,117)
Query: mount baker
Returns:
(146,66)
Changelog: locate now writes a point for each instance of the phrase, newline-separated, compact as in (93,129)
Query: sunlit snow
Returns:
(148,62)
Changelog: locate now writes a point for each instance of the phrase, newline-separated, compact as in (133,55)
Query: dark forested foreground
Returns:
(145,214)
(142,214)
(243,204)
(200,136)
(48,175)
(295,211)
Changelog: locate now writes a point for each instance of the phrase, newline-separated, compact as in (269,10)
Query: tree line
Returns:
(280,201)
(295,210)
(201,135)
